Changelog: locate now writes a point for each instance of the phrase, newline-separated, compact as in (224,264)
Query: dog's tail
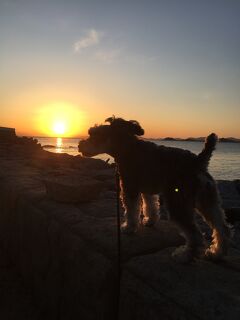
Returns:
(205,155)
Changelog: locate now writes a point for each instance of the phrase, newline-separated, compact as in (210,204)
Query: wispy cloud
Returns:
(108,56)
(91,38)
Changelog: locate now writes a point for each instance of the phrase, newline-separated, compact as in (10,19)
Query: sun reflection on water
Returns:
(59,145)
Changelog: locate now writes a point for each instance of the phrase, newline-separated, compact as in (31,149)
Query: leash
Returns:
(119,267)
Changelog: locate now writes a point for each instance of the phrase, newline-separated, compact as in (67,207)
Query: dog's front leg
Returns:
(150,209)
(131,204)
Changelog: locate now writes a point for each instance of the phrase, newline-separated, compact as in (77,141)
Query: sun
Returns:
(60,119)
(59,127)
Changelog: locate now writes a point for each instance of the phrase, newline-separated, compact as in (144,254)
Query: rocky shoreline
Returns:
(58,227)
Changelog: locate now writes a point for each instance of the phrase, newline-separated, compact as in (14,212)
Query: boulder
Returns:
(90,164)
(7,135)
(155,287)
(72,189)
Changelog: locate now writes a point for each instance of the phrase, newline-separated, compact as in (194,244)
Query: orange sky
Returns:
(37,111)
(174,68)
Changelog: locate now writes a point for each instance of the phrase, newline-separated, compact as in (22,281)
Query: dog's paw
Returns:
(182,254)
(213,254)
(128,229)
(151,221)
(217,251)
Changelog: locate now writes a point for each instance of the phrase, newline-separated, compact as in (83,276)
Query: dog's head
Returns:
(103,138)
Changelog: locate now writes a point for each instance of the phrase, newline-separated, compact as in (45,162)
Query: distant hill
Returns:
(198,139)
(235,140)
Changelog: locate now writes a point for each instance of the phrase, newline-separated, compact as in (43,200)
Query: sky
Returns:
(172,65)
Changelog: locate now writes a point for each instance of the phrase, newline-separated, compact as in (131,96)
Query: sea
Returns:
(224,164)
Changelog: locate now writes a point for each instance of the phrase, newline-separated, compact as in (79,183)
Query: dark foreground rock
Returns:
(66,253)
(156,288)
(73,189)
(15,299)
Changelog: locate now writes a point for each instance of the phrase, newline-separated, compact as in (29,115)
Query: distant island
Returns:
(199,139)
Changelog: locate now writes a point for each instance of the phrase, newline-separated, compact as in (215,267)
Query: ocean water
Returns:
(224,164)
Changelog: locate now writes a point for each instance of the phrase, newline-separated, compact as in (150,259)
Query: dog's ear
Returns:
(136,128)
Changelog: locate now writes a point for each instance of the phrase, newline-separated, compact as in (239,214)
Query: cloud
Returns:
(92,37)
(108,56)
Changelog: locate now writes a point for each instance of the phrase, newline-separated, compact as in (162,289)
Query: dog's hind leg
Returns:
(132,205)
(208,204)
(183,215)
(150,209)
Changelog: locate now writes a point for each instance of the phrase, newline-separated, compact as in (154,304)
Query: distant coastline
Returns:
(199,139)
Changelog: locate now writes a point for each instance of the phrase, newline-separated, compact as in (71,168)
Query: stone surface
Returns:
(7,135)
(201,290)
(73,189)
(233,215)
(142,302)
(101,231)
(66,253)
(15,299)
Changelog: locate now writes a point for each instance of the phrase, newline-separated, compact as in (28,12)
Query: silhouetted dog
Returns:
(181,176)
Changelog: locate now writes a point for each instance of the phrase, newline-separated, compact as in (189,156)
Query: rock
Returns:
(232,214)
(7,135)
(103,233)
(100,229)
(105,174)
(201,290)
(72,189)
(99,208)
(237,184)
(49,160)
(140,302)
(66,252)
(89,163)
(229,194)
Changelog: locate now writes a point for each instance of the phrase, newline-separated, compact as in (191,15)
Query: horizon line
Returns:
(149,138)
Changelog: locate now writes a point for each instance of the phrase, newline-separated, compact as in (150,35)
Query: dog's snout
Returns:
(85,147)
(81,145)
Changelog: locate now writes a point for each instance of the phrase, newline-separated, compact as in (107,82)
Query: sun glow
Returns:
(61,119)
(59,128)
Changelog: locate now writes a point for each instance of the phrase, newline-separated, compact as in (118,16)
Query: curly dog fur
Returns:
(182,177)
